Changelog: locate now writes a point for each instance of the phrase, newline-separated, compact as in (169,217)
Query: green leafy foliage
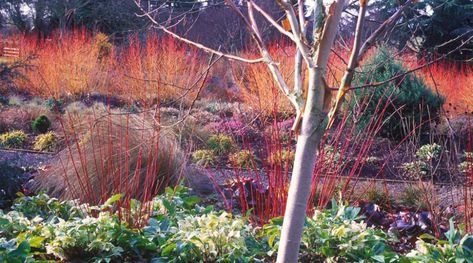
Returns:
(467,165)
(427,158)
(55,105)
(340,235)
(447,28)
(429,152)
(336,235)
(41,124)
(332,155)
(46,207)
(416,196)
(178,229)
(457,248)
(416,169)
(378,195)
(11,252)
(212,237)
(14,139)
(99,239)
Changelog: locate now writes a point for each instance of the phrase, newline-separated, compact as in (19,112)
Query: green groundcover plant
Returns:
(178,229)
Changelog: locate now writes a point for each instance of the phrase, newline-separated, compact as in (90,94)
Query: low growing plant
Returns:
(377,195)
(415,196)
(204,158)
(221,144)
(416,169)
(213,237)
(99,239)
(457,248)
(340,235)
(243,159)
(232,127)
(14,139)
(281,157)
(429,152)
(178,229)
(467,165)
(46,207)
(15,101)
(11,252)
(427,157)
(337,235)
(55,105)
(46,142)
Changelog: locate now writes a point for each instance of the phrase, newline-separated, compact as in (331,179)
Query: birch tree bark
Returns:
(311,132)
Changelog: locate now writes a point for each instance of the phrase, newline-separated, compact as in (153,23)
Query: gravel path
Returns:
(198,178)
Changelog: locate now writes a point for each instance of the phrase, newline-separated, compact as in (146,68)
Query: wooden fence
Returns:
(8,50)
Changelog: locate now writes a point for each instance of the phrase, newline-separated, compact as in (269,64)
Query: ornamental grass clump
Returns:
(117,154)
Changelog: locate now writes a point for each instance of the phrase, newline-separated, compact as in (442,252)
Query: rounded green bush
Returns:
(41,124)
(408,100)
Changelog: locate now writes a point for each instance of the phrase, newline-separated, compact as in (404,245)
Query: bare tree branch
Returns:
(273,68)
(273,22)
(195,44)
(383,28)
(296,30)
(352,64)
